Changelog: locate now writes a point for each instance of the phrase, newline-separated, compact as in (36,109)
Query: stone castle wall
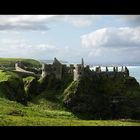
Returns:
(55,68)
(79,70)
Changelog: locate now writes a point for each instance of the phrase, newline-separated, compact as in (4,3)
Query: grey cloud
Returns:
(112,37)
(131,19)
(24,22)
(38,22)
(24,27)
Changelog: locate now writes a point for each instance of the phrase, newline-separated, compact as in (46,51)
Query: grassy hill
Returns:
(15,114)
(12,87)
(10,62)
(45,108)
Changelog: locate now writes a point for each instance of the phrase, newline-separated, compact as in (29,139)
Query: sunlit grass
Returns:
(42,121)
(11,61)
(15,114)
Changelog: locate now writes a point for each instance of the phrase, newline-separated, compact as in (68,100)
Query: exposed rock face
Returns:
(12,87)
(49,82)
(104,97)
(31,86)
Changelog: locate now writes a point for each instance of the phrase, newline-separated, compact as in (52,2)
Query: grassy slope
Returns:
(46,110)
(12,61)
(15,114)
(39,121)
(49,100)
(4,76)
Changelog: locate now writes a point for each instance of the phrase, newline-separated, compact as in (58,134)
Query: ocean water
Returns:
(134,71)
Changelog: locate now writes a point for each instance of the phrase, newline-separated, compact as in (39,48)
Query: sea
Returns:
(134,71)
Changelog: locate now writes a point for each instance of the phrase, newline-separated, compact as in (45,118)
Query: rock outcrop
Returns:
(104,97)
(12,87)
(31,87)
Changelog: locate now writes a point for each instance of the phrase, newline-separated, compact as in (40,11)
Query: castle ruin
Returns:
(55,68)
(79,71)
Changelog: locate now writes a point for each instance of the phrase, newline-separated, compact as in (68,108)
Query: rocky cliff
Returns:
(12,87)
(102,97)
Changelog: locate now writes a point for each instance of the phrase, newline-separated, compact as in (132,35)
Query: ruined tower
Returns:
(116,69)
(98,69)
(82,64)
(79,69)
(57,68)
(126,72)
(122,70)
(107,69)
(71,68)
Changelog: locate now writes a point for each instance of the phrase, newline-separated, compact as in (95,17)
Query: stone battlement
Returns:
(80,70)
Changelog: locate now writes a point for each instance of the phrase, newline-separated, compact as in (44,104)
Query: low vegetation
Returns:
(10,62)
(16,114)
(104,98)
(31,87)
(51,102)
(12,87)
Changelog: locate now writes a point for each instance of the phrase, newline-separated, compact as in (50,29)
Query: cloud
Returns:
(13,47)
(20,47)
(24,48)
(112,37)
(81,20)
(134,19)
(102,45)
(112,45)
(40,22)
(129,20)
(37,27)
(24,22)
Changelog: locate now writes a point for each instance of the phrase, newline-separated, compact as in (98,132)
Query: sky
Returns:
(99,39)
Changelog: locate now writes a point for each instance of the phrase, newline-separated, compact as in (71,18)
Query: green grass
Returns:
(50,99)
(46,109)
(4,76)
(10,62)
(32,110)
(15,114)
(40,121)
